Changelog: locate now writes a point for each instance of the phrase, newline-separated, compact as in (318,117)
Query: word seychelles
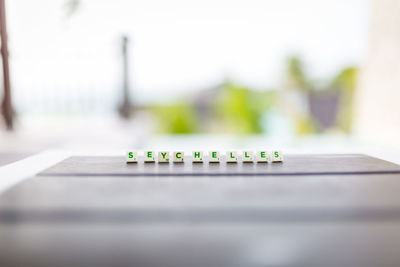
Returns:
(213,156)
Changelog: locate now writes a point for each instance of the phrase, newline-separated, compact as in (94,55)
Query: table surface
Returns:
(293,165)
(310,210)
(9,157)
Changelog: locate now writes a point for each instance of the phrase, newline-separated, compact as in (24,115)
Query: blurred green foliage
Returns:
(176,118)
(239,109)
(235,109)
(296,75)
(346,82)
(305,125)
(297,80)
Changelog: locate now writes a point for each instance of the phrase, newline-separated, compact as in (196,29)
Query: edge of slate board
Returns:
(324,164)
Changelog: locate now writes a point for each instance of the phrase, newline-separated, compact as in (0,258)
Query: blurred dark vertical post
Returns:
(7,109)
(126,106)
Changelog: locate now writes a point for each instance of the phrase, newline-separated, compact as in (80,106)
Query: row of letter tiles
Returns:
(214,156)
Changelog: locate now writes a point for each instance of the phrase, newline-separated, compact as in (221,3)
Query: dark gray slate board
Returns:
(199,245)
(317,220)
(292,165)
(7,158)
(226,199)
(243,220)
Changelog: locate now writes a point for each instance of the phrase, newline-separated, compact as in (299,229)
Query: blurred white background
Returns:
(67,57)
(67,71)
